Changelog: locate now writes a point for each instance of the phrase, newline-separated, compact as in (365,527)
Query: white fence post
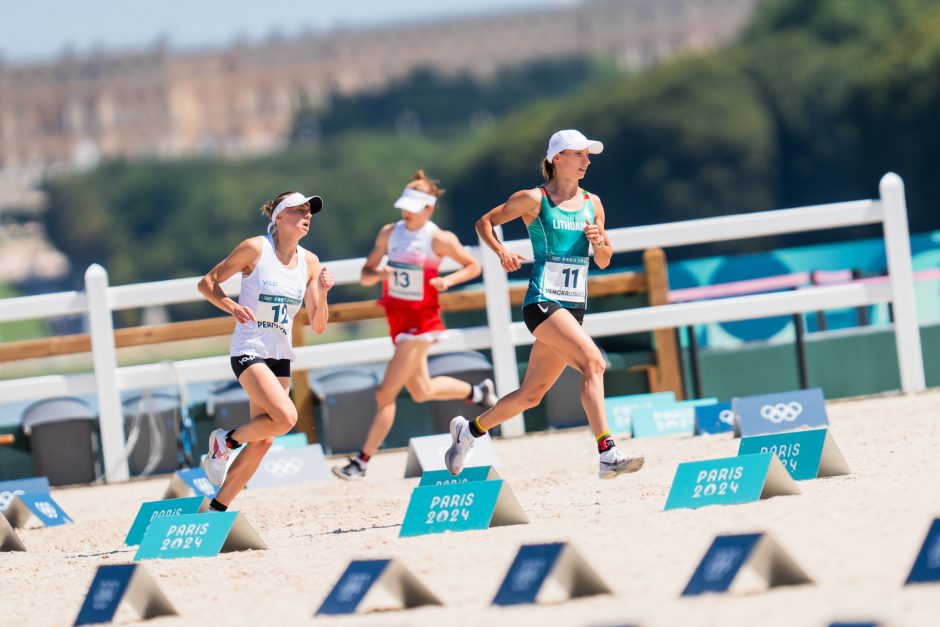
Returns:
(898,253)
(498,317)
(110,416)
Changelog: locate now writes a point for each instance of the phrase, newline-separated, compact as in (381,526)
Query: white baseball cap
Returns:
(571,139)
(413,200)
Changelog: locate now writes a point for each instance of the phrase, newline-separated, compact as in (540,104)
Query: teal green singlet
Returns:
(560,254)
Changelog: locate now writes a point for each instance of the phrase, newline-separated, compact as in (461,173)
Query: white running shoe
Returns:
(615,462)
(461,443)
(216,462)
(489,394)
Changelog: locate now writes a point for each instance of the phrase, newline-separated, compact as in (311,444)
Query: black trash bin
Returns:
(157,419)
(228,406)
(63,437)
(347,403)
(469,366)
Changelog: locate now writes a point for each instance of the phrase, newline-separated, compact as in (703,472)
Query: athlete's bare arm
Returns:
(242,259)
(523,204)
(446,244)
(597,235)
(371,273)
(319,282)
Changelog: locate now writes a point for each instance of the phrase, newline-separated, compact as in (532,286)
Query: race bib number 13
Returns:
(565,279)
(406,281)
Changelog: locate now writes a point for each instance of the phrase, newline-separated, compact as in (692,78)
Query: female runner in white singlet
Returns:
(278,275)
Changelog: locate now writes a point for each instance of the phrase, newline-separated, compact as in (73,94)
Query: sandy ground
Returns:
(856,536)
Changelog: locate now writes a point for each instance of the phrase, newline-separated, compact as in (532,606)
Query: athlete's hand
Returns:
(385,272)
(326,279)
(593,233)
(243,315)
(439,284)
(510,261)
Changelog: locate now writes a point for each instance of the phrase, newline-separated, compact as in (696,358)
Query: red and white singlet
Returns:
(410,302)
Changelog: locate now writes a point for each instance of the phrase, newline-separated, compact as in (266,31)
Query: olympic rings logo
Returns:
(6,497)
(781,412)
(105,594)
(721,563)
(203,485)
(46,509)
(726,416)
(283,467)
(933,555)
(353,586)
(527,573)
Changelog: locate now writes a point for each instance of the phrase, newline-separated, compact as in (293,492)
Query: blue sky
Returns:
(34,30)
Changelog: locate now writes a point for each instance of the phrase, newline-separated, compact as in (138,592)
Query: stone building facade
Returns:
(70,112)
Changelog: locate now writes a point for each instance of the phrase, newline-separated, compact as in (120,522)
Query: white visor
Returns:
(413,201)
(295,200)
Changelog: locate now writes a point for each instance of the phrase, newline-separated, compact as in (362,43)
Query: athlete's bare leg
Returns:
(408,357)
(277,414)
(545,366)
(247,462)
(559,341)
(423,388)
(562,333)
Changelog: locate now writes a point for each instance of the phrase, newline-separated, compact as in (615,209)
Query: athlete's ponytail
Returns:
(548,170)
(268,208)
(422,183)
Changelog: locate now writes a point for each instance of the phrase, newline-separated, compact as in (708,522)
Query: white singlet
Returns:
(274,293)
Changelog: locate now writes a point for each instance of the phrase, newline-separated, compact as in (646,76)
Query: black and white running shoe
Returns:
(355,469)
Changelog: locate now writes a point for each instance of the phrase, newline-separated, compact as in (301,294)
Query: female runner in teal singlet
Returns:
(563,220)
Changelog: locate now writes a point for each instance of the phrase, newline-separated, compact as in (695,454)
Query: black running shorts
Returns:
(535,314)
(280,367)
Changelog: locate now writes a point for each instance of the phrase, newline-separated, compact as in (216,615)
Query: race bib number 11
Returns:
(565,279)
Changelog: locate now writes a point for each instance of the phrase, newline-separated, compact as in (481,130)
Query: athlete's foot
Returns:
(461,443)
(615,462)
(354,470)
(489,394)
(216,462)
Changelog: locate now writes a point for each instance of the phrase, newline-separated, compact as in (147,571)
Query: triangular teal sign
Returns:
(443,477)
(461,507)
(197,535)
(161,509)
(672,419)
(728,481)
(620,409)
(806,454)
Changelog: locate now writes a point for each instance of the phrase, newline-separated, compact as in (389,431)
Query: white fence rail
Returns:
(500,335)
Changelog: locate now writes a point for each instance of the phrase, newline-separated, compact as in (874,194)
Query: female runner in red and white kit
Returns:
(410,282)
(277,277)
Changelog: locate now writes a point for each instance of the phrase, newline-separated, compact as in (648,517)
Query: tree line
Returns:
(812,104)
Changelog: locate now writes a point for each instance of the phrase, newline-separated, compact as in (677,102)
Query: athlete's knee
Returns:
(420,396)
(594,366)
(285,417)
(384,395)
(530,397)
(419,393)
